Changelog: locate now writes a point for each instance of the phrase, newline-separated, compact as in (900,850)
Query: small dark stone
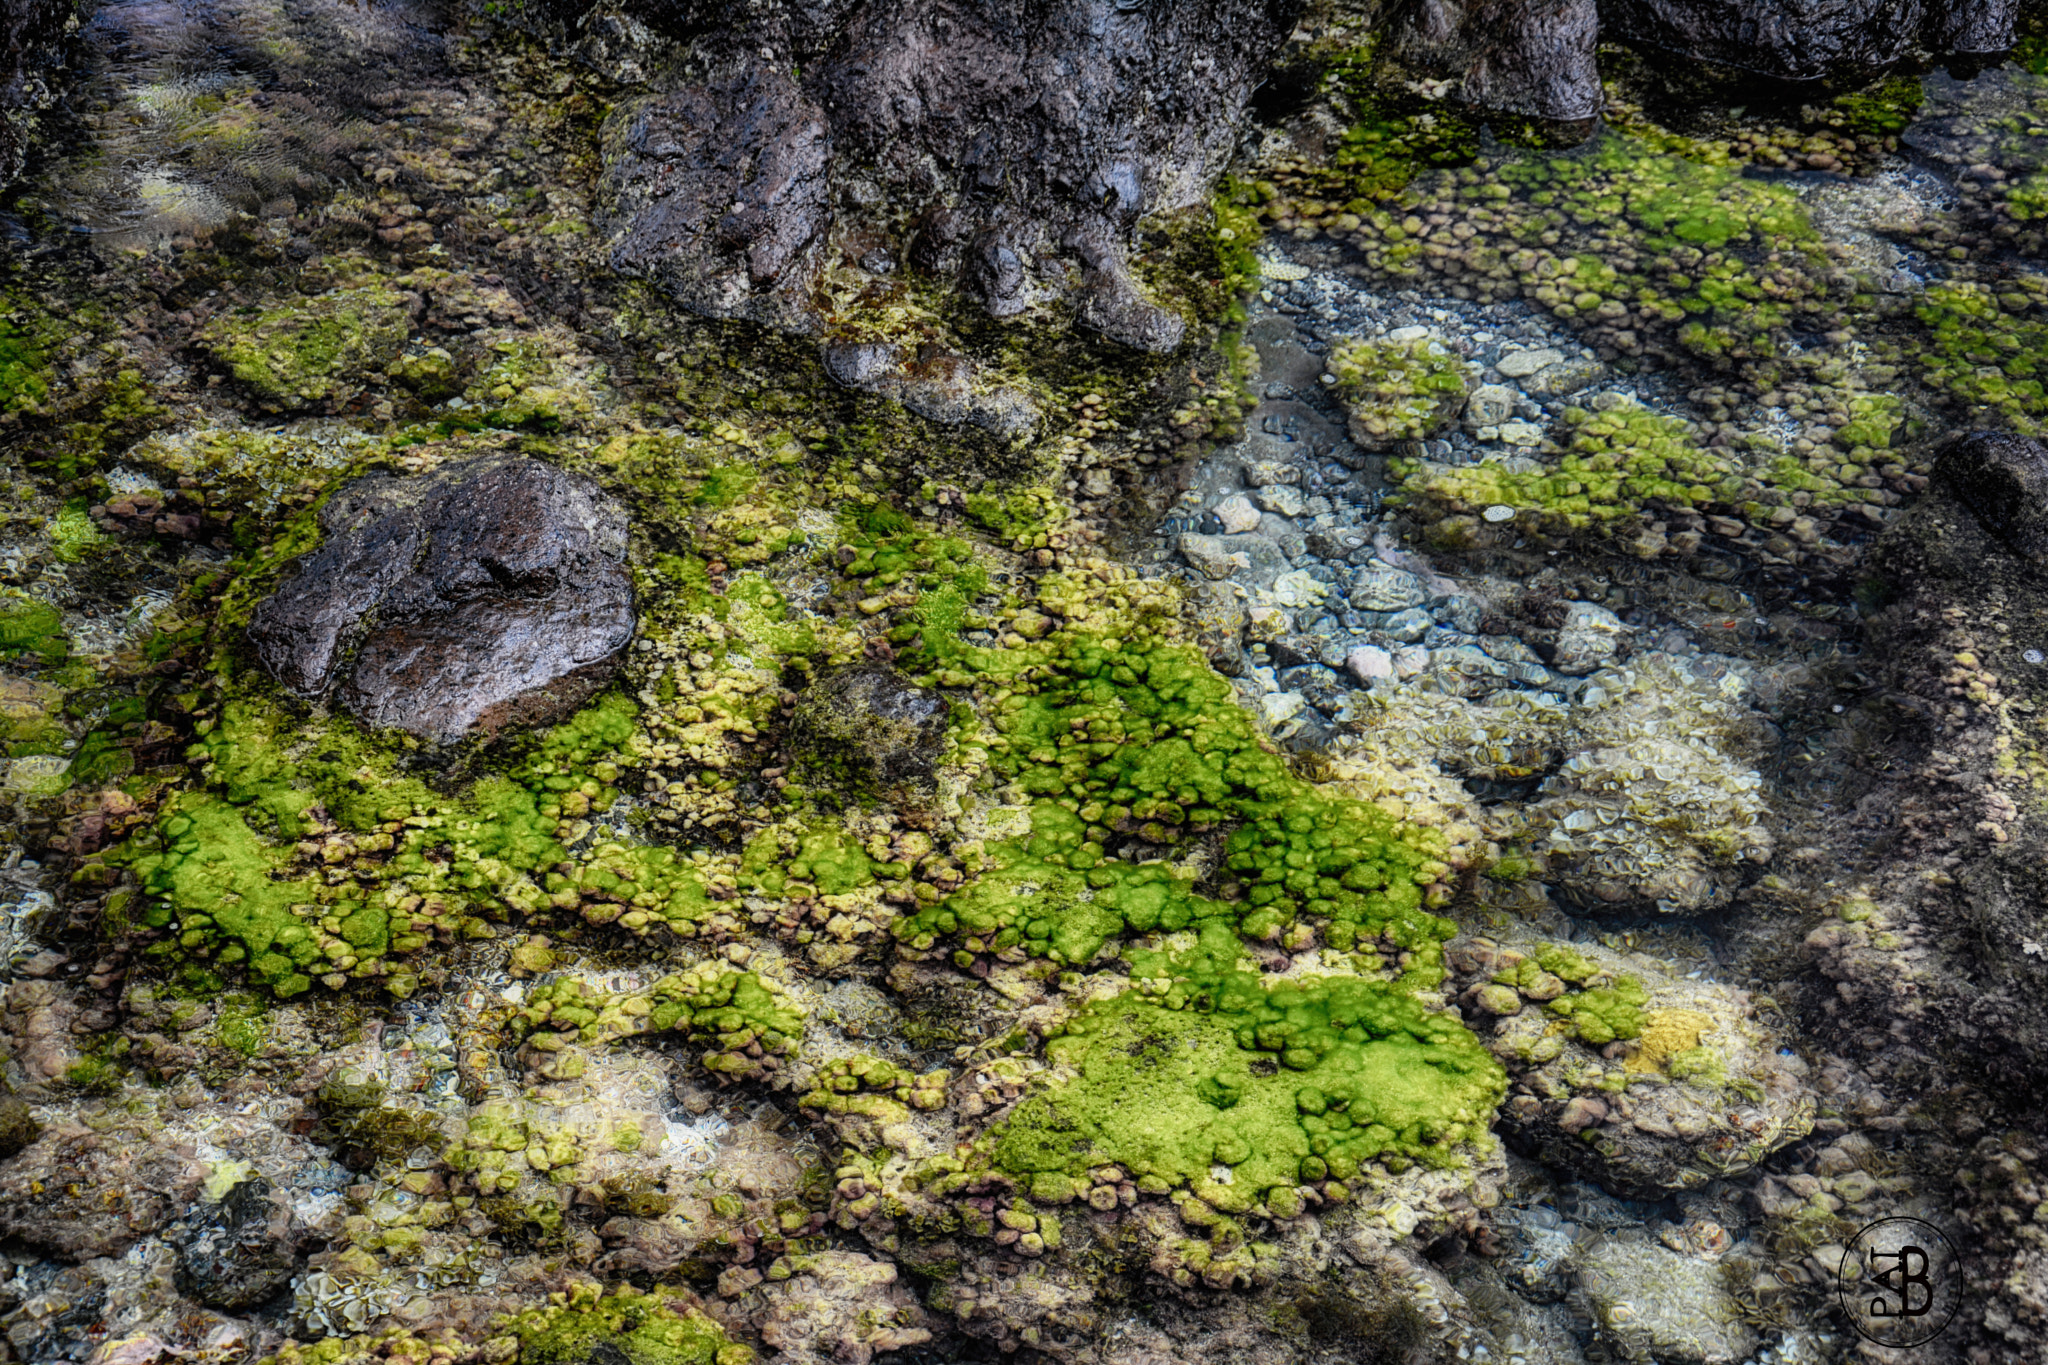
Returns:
(485,594)
(241,1255)
(2003,480)
(882,726)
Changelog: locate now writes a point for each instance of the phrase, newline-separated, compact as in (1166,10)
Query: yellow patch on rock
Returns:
(1666,1033)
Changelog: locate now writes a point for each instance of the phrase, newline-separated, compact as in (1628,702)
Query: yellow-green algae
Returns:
(312,350)
(644,1328)
(735,1015)
(311,857)
(1398,390)
(585,1322)
(1119,738)
(1281,1083)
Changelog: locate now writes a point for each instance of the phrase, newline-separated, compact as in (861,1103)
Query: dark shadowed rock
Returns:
(1808,39)
(717,189)
(1536,57)
(2003,480)
(1010,149)
(31,35)
(482,595)
(880,725)
(77,1194)
(241,1251)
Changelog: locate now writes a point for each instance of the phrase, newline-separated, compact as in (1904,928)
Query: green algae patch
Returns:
(745,1022)
(1984,356)
(1399,390)
(1212,1067)
(1604,1014)
(312,855)
(24,369)
(1118,740)
(28,626)
(642,1329)
(310,351)
(212,882)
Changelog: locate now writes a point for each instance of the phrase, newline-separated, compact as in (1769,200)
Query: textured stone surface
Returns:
(1806,39)
(30,31)
(2003,480)
(482,595)
(1012,151)
(887,728)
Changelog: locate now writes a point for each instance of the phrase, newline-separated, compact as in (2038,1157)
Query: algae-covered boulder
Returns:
(1640,1078)
(482,595)
(880,725)
(313,352)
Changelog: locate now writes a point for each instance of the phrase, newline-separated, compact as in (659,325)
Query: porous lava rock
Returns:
(2003,480)
(242,1253)
(481,595)
(1011,150)
(1809,39)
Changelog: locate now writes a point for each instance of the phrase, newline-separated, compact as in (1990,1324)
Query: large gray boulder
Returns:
(484,594)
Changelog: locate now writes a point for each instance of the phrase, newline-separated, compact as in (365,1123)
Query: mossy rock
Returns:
(874,725)
(313,352)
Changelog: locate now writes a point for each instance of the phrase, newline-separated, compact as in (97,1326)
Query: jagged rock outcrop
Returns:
(30,34)
(1536,57)
(481,595)
(1809,39)
(1010,152)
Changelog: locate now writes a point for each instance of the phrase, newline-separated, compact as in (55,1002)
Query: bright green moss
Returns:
(1984,356)
(1884,109)
(639,1328)
(311,351)
(1281,1083)
(1615,463)
(212,880)
(827,859)
(1566,965)
(28,626)
(713,1006)
(1399,390)
(1605,1013)
(23,371)
(1119,739)
(232,883)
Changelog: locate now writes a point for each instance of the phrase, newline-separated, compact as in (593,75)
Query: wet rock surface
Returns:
(1023,149)
(475,597)
(1482,810)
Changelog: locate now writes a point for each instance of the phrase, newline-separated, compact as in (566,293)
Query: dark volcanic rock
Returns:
(481,595)
(243,1253)
(31,32)
(1808,39)
(876,722)
(77,1194)
(1012,149)
(2003,480)
(1536,57)
(717,190)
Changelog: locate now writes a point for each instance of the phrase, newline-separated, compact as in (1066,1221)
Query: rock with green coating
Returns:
(314,352)
(876,723)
